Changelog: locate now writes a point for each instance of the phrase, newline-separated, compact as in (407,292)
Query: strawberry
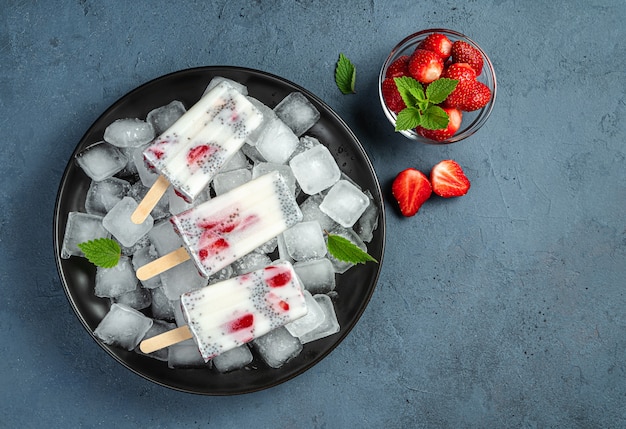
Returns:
(463,52)
(425,66)
(400,67)
(468,95)
(459,71)
(411,188)
(454,123)
(449,180)
(391,95)
(437,43)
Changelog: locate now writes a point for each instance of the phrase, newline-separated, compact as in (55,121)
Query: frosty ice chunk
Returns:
(316,275)
(142,257)
(368,222)
(79,228)
(164,238)
(315,169)
(158,327)
(147,176)
(297,112)
(329,326)
(236,162)
(161,307)
(344,203)
(184,356)
(139,298)
(277,142)
(118,222)
(233,359)
(277,347)
(129,132)
(284,170)
(103,195)
(123,326)
(232,225)
(180,279)
(164,117)
(251,262)
(112,282)
(101,160)
(305,240)
(311,211)
(224,182)
(219,79)
(196,146)
(311,320)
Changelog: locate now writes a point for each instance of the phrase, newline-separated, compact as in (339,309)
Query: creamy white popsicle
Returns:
(225,315)
(196,146)
(231,225)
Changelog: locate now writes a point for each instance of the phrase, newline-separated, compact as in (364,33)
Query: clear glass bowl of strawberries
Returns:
(437,86)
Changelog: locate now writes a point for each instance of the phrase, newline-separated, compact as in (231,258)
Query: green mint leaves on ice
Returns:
(345,75)
(421,106)
(345,250)
(103,252)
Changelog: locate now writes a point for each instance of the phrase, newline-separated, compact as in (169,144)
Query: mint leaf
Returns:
(410,90)
(345,250)
(345,75)
(435,118)
(408,118)
(439,89)
(103,252)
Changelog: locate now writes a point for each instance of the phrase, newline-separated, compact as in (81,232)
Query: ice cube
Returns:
(123,326)
(297,112)
(329,326)
(161,308)
(144,256)
(233,359)
(112,282)
(185,355)
(341,267)
(310,209)
(311,320)
(250,262)
(305,240)
(284,170)
(79,228)
(277,143)
(268,247)
(277,347)
(223,274)
(140,244)
(139,298)
(252,153)
(305,143)
(118,222)
(160,211)
(158,327)
(368,222)
(164,117)
(164,239)
(103,195)
(283,254)
(315,169)
(101,160)
(316,275)
(236,162)
(241,88)
(344,203)
(129,132)
(268,117)
(147,175)
(180,279)
(224,182)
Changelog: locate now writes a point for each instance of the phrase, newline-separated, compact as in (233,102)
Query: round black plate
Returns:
(354,288)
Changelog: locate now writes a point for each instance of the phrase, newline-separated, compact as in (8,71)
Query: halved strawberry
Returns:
(400,67)
(448,179)
(411,188)
(391,96)
(463,52)
(459,71)
(454,123)
(468,96)
(425,66)
(437,43)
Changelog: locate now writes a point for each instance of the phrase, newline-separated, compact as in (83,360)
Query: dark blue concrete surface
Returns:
(504,308)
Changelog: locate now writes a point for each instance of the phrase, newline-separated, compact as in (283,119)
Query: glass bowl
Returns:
(472,121)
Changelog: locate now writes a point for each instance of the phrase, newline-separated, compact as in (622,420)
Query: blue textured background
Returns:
(504,308)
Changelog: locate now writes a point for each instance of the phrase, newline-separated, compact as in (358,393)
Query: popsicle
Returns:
(229,226)
(189,153)
(233,312)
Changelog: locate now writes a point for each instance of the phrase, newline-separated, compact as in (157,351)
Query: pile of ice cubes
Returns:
(330,201)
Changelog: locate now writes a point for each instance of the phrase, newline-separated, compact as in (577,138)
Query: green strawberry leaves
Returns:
(345,75)
(422,109)
(102,252)
(345,250)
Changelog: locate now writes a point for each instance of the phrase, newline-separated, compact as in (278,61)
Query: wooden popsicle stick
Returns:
(162,264)
(165,339)
(151,199)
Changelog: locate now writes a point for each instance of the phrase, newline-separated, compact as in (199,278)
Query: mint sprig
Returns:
(345,75)
(421,106)
(102,252)
(345,250)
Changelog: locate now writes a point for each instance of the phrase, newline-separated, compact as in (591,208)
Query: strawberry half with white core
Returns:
(437,43)
(448,179)
(425,66)
(454,123)
(411,188)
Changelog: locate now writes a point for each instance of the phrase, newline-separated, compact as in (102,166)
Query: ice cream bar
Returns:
(189,153)
(231,225)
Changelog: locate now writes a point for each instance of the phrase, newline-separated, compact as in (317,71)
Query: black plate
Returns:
(354,288)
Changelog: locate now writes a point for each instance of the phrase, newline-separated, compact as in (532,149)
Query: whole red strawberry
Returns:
(459,71)
(399,68)
(391,95)
(425,66)
(437,43)
(463,52)
(469,95)
(454,123)
(411,188)
(448,179)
